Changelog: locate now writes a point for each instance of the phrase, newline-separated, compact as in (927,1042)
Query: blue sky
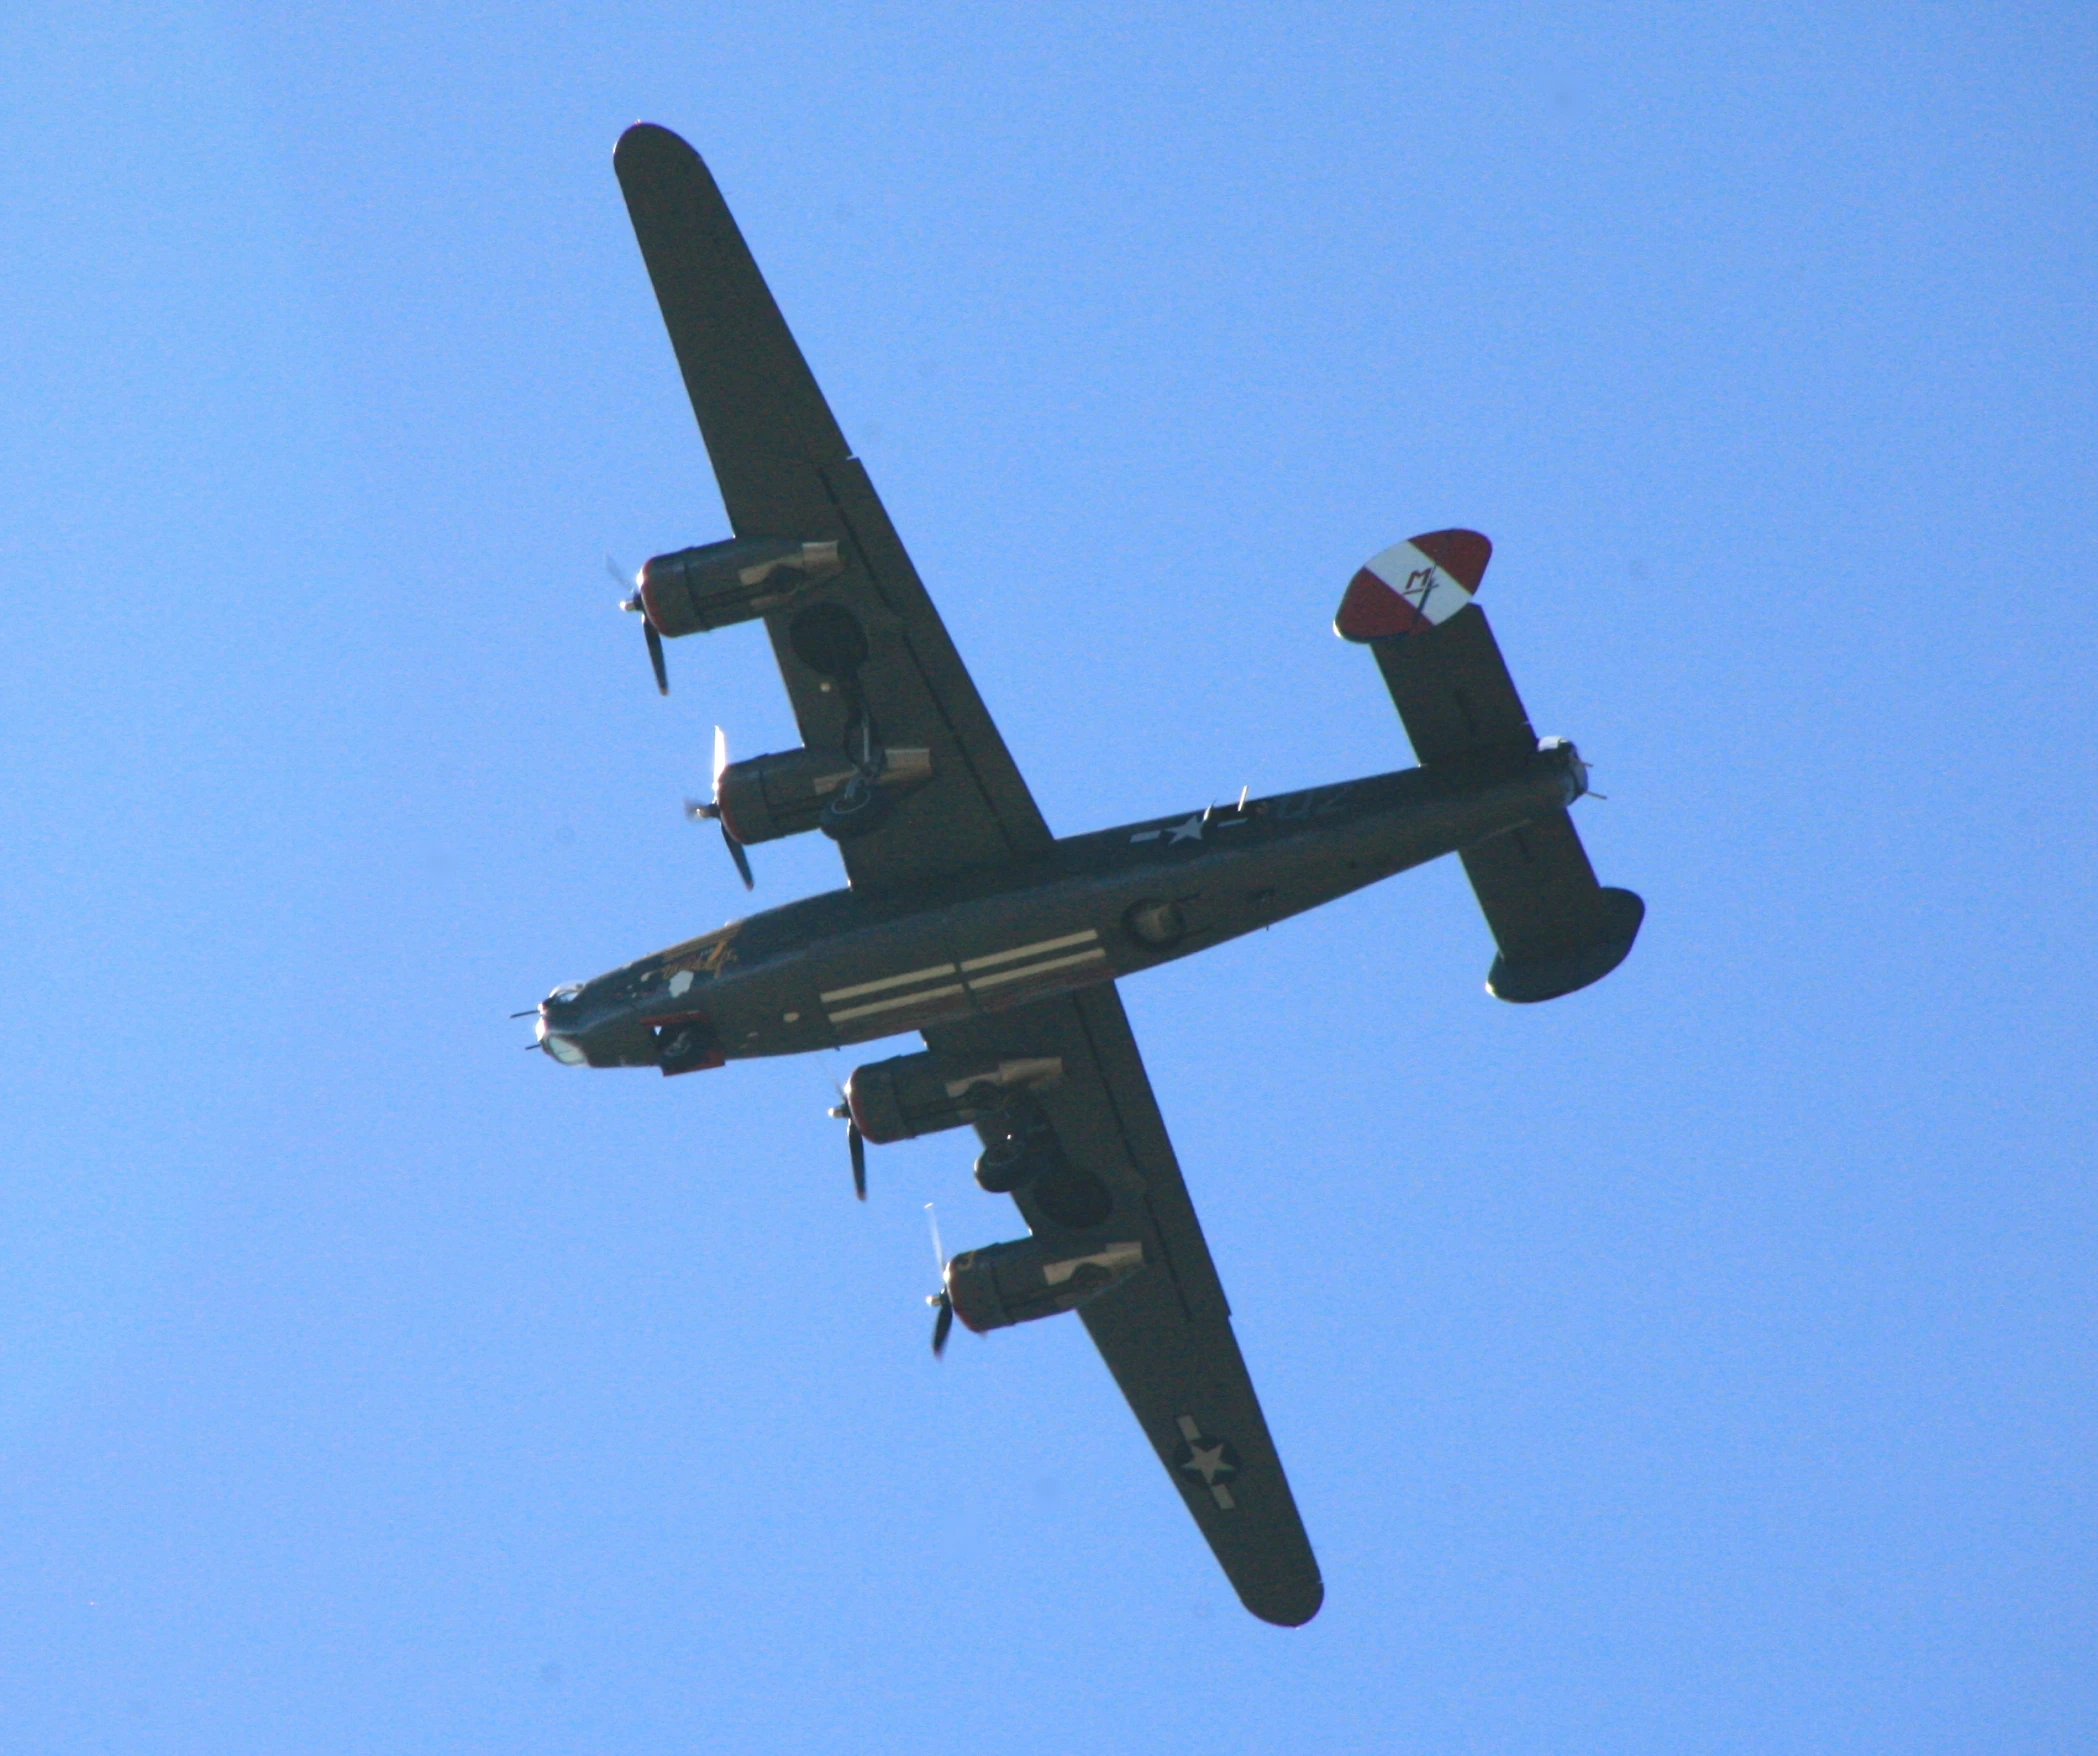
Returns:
(1699,1363)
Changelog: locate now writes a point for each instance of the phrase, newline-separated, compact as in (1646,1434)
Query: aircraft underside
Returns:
(968,922)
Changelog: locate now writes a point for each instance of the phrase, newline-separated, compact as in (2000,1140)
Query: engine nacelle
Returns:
(786,794)
(1003,1284)
(911,1095)
(718,584)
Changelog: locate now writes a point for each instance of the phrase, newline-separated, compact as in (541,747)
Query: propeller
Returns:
(943,1323)
(699,813)
(648,628)
(855,1143)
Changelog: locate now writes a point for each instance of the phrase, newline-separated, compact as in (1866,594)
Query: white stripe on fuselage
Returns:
(973,982)
(977,984)
(867,1011)
(916,975)
(1040,945)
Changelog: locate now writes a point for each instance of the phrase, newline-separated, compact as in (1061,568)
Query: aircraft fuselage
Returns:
(843,968)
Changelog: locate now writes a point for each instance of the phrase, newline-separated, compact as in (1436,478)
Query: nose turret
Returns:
(596,1024)
(557,1017)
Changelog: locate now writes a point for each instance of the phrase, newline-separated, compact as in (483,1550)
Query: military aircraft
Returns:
(1001,944)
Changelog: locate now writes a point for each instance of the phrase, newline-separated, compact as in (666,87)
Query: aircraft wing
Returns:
(785,471)
(1165,1332)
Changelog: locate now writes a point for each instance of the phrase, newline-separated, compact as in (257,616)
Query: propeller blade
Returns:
(655,654)
(940,1301)
(633,603)
(856,1144)
(942,1325)
(736,853)
(735,847)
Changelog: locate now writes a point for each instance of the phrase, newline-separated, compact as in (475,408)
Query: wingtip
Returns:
(645,137)
(1292,1609)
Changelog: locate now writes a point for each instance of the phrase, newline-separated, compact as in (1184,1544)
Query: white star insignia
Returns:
(1209,1459)
(1191,830)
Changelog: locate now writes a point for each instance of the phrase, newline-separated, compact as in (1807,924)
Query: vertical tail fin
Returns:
(1557,928)
(1412,607)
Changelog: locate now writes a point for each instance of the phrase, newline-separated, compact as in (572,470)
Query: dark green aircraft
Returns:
(968,922)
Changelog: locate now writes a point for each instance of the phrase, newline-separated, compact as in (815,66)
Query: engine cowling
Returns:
(910,1095)
(1004,1284)
(719,584)
(786,793)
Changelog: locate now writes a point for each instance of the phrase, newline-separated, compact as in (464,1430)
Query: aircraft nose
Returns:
(556,1042)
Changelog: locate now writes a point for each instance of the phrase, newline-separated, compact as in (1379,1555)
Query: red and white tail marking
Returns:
(1415,584)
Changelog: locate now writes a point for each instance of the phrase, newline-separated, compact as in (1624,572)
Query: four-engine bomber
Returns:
(966,921)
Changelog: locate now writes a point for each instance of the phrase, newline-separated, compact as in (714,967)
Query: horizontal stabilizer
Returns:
(1556,927)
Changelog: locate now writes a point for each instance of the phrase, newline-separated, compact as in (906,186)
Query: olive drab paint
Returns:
(966,921)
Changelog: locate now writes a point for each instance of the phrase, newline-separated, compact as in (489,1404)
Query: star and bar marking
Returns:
(1191,830)
(1211,1459)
